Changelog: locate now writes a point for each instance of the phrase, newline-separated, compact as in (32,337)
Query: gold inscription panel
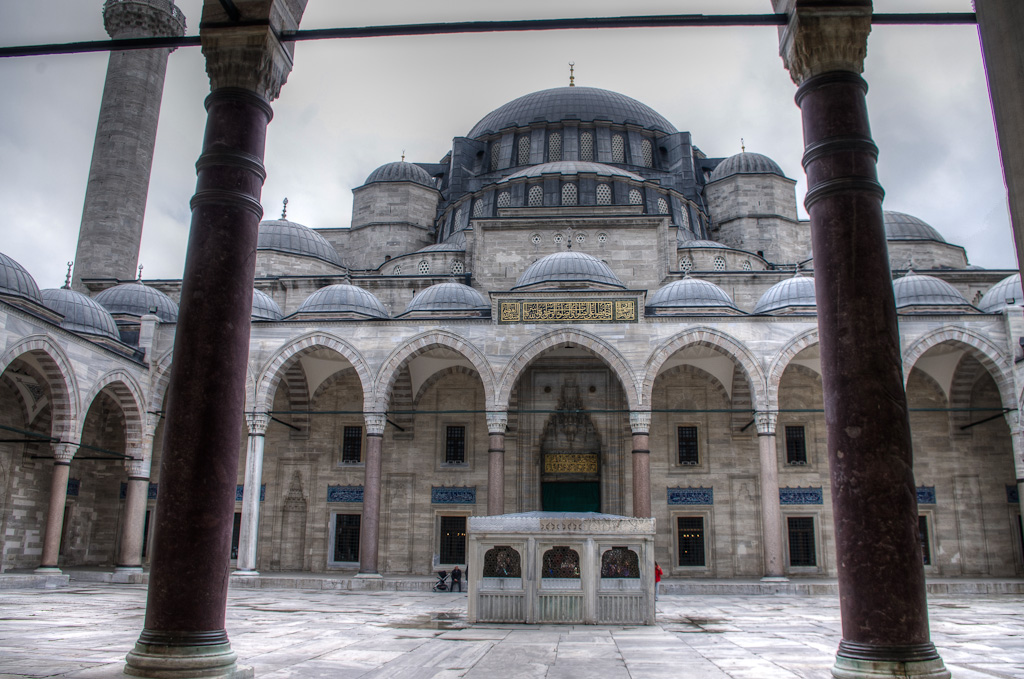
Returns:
(571,463)
(564,311)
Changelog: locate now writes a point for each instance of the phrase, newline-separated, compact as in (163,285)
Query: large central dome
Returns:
(585,104)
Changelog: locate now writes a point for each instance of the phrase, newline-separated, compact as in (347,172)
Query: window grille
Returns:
(684,217)
(602,238)
(453,539)
(458,218)
(746,265)
(397,271)
(796,445)
(922,532)
(691,540)
(458,267)
(535,239)
(686,265)
(662,206)
(719,263)
(554,147)
(478,208)
(635,197)
(558,238)
(801,541)
(580,237)
(587,146)
(352,445)
(561,562)
(536,196)
(502,562)
(688,448)
(618,149)
(495,154)
(423,267)
(346,537)
(504,199)
(569,193)
(620,562)
(524,150)
(455,445)
(648,152)
(604,194)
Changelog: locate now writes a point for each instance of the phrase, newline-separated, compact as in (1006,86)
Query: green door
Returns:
(571,497)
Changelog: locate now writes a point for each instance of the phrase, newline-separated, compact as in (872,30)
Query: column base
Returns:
(775,578)
(48,570)
(216,661)
(848,668)
(245,574)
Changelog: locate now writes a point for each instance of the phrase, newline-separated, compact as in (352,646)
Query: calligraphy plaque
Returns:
(569,311)
(571,463)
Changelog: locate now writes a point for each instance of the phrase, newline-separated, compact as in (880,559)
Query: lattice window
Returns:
(346,537)
(478,208)
(922,533)
(662,206)
(602,238)
(453,539)
(561,562)
(647,151)
(423,267)
(620,562)
(554,147)
(569,193)
(684,217)
(635,197)
(504,199)
(580,237)
(604,194)
(618,148)
(691,540)
(397,271)
(455,445)
(536,196)
(558,238)
(495,154)
(458,268)
(719,263)
(524,150)
(587,146)
(746,266)
(535,239)
(502,562)
(686,265)
(458,218)
(796,445)
(689,453)
(801,541)
(352,445)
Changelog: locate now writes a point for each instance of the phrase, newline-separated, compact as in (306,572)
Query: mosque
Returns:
(575,309)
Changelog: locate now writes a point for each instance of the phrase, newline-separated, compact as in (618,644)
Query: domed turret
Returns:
(450,299)
(1006,292)
(689,295)
(264,308)
(291,238)
(136,299)
(343,299)
(400,171)
(568,269)
(81,314)
(791,296)
(746,163)
(914,292)
(900,226)
(15,281)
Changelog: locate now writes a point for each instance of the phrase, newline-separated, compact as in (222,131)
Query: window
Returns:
(688,450)
(536,196)
(535,239)
(686,265)
(504,199)
(691,540)
(796,445)
(352,445)
(801,542)
(455,445)
(719,263)
(604,194)
(922,531)
(587,146)
(746,265)
(502,562)
(648,152)
(478,208)
(458,267)
(495,154)
(569,193)
(662,206)
(620,562)
(635,197)
(618,149)
(524,150)
(453,539)
(554,147)
(561,562)
(397,270)
(458,218)
(346,537)
(423,267)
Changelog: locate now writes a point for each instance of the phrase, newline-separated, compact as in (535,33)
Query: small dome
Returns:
(568,267)
(448,297)
(746,163)
(795,294)
(689,293)
(136,299)
(572,167)
(292,238)
(917,290)
(342,299)
(81,314)
(995,300)
(401,171)
(900,226)
(16,281)
(264,308)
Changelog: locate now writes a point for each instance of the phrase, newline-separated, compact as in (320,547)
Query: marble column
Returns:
(497,422)
(133,527)
(874,501)
(1017,439)
(771,514)
(62,454)
(640,424)
(248,533)
(369,526)
(184,633)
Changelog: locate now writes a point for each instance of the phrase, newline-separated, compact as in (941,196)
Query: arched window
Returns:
(457,224)
(604,194)
(746,265)
(397,271)
(458,268)
(569,193)
(561,562)
(504,199)
(536,196)
(684,217)
(620,562)
(478,208)
(662,206)
(686,265)
(502,562)
(635,197)
(647,151)
(495,154)
(524,150)
(535,239)
(587,146)
(423,267)
(554,147)
(618,148)
(719,263)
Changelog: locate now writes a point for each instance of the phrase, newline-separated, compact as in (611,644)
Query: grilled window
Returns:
(352,445)
(458,268)
(478,208)
(346,537)
(453,539)
(635,197)
(922,531)
(587,146)
(686,265)
(504,199)
(554,147)
(648,152)
(423,267)
(569,193)
(561,562)
(801,542)
(536,196)
(796,445)
(524,150)
(618,148)
(495,154)
(688,449)
(662,206)
(719,263)
(691,540)
(604,194)
(455,445)
(502,562)
(620,562)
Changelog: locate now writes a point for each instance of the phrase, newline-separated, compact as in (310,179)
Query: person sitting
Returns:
(456,578)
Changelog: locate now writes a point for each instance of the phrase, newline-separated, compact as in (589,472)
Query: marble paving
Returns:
(85,631)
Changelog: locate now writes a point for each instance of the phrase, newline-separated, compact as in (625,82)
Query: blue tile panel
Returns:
(239,490)
(152,490)
(344,493)
(1012,494)
(73,487)
(691,496)
(926,495)
(444,495)
(800,496)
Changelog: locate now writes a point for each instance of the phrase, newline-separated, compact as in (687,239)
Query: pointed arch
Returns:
(781,361)
(126,392)
(980,347)
(557,338)
(160,381)
(60,379)
(273,371)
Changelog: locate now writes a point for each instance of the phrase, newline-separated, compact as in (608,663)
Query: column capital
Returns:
(497,422)
(375,423)
(250,56)
(823,36)
(257,423)
(142,19)
(640,421)
(138,469)
(152,421)
(766,421)
(63,452)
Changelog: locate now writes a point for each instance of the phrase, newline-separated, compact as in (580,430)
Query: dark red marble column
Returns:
(369,527)
(640,424)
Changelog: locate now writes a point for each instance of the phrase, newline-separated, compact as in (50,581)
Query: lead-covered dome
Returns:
(585,104)
(401,171)
(689,294)
(572,167)
(568,267)
(900,226)
(16,281)
(281,235)
(793,295)
(448,297)
(915,290)
(264,308)
(343,299)
(1006,292)
(81,314)
(746,163)
(136,299)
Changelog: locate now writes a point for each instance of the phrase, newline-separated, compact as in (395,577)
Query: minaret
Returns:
(122,155)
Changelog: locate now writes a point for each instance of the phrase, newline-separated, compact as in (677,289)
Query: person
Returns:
(456,579)
(657,579)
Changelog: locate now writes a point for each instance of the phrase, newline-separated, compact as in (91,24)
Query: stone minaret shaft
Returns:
(122,155)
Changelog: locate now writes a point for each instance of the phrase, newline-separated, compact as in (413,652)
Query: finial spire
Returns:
(743,146)
(67,279)
(572,78)
(284,209)
(139,278)
(403,155)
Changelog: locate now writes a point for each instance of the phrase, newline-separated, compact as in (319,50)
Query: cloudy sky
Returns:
(352,105)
